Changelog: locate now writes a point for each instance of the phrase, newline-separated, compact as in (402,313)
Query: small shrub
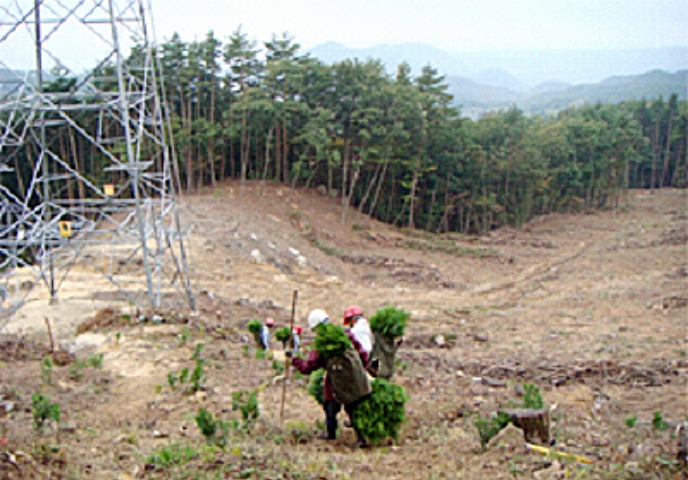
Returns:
(631,421)
(260,354)
(183,375)
(43,411)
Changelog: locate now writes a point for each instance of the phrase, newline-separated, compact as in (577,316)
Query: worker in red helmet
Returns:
(296,339)
(359,326)
(265,333)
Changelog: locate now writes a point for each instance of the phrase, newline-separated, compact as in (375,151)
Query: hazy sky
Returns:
(453,25)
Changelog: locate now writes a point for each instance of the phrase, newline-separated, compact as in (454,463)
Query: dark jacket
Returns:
(316,361)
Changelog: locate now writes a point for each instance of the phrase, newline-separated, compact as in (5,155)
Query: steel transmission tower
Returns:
(88,178)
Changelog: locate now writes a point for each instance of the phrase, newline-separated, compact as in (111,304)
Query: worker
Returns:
(264,340)
(355,386)
(359,326)
(296,339)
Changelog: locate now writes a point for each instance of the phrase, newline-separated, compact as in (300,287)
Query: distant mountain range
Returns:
(536,82)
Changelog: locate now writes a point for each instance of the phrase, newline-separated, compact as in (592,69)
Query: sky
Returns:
(452,25)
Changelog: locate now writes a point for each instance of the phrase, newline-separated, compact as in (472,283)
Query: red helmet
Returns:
(298,329)
(351,312)
(270,322)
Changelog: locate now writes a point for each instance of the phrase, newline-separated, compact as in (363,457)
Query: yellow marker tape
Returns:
(549,451)
(66,229)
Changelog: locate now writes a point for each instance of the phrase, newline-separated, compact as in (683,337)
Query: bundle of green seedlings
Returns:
(389,321)
(254,326)
(283,335)
(331,340)
(380,415)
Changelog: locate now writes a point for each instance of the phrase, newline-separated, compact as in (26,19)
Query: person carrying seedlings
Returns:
(345,361)
(388,326)
(296,339)
(354,320)
(261,333)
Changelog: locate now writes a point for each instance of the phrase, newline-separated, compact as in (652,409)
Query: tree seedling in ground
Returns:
(245,350)
(197,351)
(215,431)
(631,421)
(197,377)
(184,335)
(76,371)
(658,422)
(171,455)
(96,361)
(172,380)
(43,411)
(248,406)
(47,371)
(183,375)
(531,397)
(488,428)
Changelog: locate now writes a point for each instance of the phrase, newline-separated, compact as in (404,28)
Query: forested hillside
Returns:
(392,146)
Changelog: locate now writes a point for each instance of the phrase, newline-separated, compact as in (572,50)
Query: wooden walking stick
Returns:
(287,361)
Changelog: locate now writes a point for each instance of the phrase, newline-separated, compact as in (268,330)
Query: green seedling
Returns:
(118,336)
(631,421)
(76,371)
(47,371)
(532,397)
(184,335)
(96,361)
(658,422)
(197,377)
(43,411)
(215,431)
(172,380)
(197,352)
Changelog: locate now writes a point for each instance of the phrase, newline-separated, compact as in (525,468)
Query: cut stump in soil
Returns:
(534,423)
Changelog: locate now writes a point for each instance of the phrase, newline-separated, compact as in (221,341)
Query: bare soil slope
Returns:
(590,308)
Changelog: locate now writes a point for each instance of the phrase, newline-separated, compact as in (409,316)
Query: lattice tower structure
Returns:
(87,167)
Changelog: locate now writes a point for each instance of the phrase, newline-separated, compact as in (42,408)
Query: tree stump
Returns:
(534,423)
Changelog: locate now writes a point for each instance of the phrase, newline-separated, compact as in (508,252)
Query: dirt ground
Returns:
(589,308)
